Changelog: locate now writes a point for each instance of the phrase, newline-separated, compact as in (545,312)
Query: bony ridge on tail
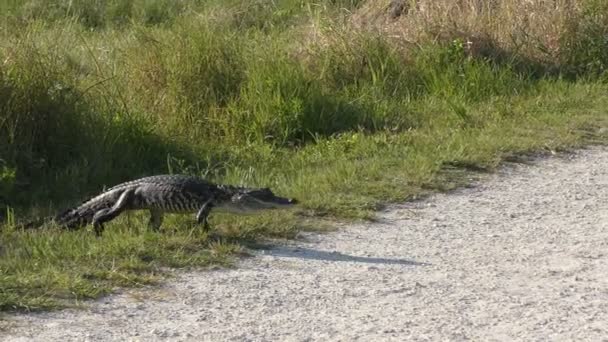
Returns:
(167,194)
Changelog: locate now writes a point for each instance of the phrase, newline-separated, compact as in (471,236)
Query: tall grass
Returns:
(566,37)
(330,102)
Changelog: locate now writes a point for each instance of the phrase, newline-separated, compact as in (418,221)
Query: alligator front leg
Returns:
(108,214)
(156,219)
(203,214)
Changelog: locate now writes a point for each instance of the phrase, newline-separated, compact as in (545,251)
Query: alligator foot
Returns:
(108,214)
(203,214)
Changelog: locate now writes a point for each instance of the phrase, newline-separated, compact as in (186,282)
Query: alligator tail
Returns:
(67,219)
(35,224)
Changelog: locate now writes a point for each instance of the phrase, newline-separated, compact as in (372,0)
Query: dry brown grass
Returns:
(541,31)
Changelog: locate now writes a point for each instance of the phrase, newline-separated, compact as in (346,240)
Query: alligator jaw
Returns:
(251,201)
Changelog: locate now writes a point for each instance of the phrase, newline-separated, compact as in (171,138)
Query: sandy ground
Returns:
(521,256)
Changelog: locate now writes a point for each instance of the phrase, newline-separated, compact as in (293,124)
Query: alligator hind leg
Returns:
(108,214)
(156,219)
(203,214)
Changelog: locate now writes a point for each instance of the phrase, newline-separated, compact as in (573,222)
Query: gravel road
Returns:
(523,255)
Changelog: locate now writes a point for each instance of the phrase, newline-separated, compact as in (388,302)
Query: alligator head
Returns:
(252,200)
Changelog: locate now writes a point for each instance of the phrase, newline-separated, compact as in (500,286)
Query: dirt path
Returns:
(524,255)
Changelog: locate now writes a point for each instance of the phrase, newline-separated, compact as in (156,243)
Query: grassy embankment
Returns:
(334,104)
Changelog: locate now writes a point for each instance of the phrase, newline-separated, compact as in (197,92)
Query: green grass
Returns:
(286,95)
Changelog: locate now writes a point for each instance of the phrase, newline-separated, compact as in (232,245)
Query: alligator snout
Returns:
(285,201)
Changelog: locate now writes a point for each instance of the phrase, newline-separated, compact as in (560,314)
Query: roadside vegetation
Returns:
(345,105)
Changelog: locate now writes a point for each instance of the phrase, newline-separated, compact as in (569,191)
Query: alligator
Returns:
(166,194)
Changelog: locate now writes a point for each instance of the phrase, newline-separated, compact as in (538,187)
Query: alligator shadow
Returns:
(313,254)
